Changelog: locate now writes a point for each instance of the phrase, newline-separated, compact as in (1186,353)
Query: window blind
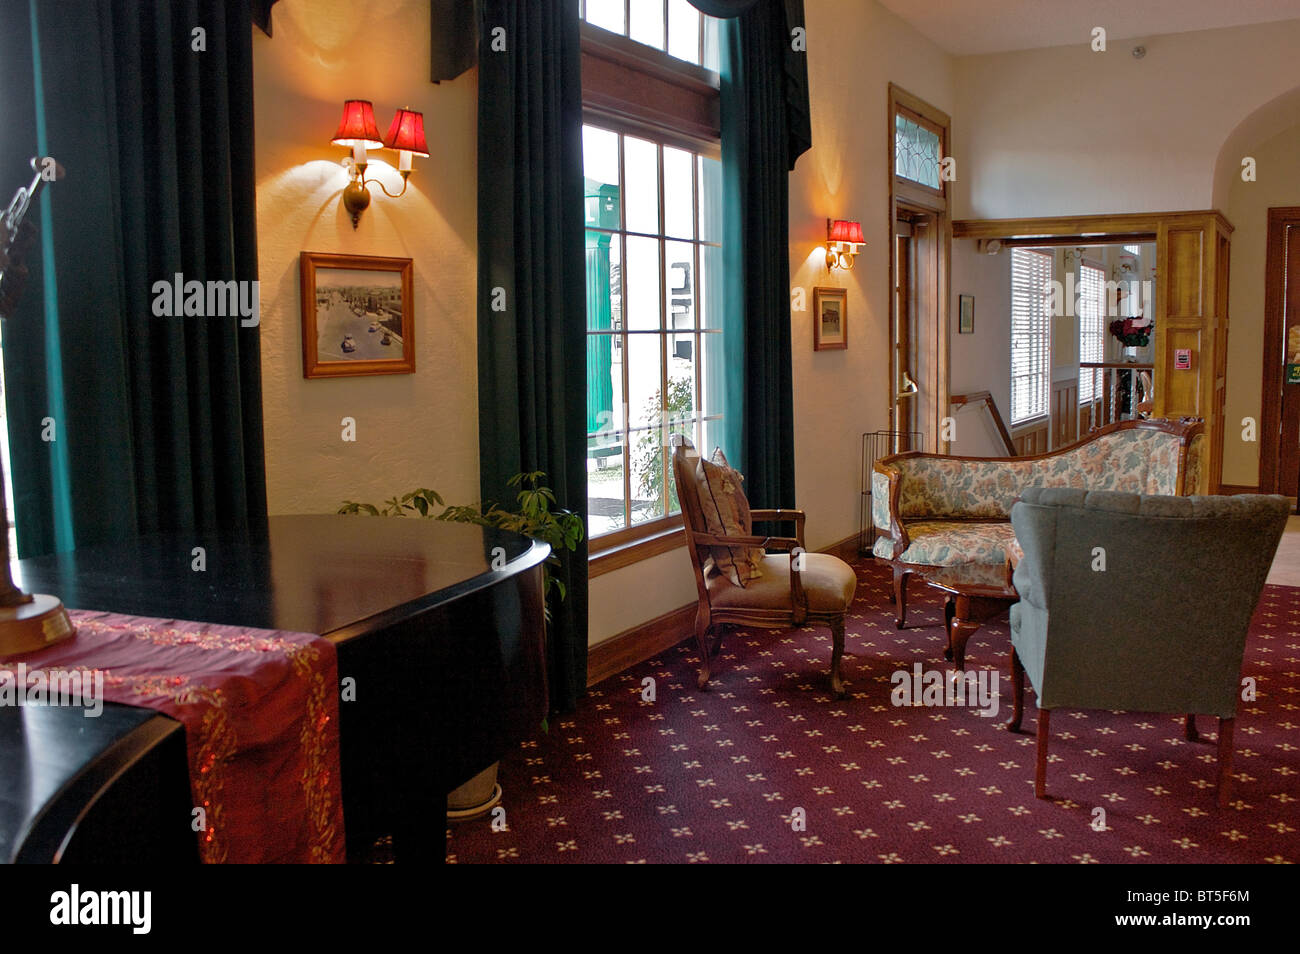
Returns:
(1031,333)
(1092,310)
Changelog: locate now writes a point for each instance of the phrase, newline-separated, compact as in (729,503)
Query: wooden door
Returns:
(1279,458)
(903,352)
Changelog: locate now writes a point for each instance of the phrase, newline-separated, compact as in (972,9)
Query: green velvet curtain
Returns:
(765,128)
(156,421)
(532,284)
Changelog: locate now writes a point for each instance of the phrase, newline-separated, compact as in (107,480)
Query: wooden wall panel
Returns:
(1065,412)
(1182,267)
(1182,389)
(1031,438)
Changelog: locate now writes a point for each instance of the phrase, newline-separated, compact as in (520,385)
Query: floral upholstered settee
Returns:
(936,510)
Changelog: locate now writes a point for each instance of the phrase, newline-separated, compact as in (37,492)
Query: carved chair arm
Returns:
(896,530)
(718,540)
(784,515)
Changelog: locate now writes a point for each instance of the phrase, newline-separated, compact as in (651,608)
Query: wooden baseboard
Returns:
(846,549)
(639,643)
(636,645)
(1230,489)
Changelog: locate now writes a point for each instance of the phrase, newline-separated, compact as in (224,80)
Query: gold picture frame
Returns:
(355,308)
(830,319)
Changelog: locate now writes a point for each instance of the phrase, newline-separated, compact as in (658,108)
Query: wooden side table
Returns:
(977,592)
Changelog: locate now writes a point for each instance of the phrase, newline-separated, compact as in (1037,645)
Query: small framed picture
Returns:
(830,319)
(356,315)
(966,315)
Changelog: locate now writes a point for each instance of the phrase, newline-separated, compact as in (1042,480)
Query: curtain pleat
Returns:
(533,352)
(765,127)
(161,420)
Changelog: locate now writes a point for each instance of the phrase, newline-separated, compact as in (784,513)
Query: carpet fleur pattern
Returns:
(766,766)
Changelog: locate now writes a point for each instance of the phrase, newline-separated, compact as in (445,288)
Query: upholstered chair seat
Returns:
(828,584)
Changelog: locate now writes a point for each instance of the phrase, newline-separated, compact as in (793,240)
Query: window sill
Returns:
(626,554)
(1030,424)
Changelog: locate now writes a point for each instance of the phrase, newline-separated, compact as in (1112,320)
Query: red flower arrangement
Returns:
(1133,332)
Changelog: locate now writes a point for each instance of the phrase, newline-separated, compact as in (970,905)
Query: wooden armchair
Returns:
(794,588)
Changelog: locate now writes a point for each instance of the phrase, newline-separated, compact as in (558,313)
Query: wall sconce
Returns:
(358,130)
(843,242)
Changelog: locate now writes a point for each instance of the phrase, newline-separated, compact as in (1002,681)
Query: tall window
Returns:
(674,26)
(1031,333)
(654,267)
(1092,327)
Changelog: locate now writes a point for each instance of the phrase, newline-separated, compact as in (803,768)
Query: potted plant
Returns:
(1132,333)
(538,517)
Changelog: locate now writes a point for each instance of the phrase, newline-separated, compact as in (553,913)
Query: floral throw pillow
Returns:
(726,513)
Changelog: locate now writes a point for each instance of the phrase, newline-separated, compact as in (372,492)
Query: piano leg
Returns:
(420,838)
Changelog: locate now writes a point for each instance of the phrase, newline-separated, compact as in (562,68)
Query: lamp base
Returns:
(356,198)
(27,627)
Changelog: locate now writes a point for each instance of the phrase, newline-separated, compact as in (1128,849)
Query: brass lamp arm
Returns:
(406,177)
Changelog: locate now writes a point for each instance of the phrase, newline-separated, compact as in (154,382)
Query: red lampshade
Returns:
(845,231)
(358,127)
(407,133)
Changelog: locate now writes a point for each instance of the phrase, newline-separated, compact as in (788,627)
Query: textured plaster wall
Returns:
(412,430)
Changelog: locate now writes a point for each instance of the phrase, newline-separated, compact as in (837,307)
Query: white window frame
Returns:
(1031,334)
(1092,326)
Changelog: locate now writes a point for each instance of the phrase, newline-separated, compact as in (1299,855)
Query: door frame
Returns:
(1271,387)
(1192,268)
(932,261)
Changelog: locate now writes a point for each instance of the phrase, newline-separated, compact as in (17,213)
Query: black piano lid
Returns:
(333,575)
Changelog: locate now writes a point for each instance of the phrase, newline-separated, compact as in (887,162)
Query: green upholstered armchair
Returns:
(1162,628)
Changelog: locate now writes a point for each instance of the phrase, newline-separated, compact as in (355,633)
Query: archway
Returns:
(1268,135)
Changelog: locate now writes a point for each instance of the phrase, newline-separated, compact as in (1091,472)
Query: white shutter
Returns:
(1092,329)
(1031,332)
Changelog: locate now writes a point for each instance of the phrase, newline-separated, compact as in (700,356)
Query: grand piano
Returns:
(439,627)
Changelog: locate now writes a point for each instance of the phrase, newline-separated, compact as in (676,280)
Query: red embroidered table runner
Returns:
(260,709)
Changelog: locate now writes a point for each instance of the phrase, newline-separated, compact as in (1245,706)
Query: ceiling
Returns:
(966,27)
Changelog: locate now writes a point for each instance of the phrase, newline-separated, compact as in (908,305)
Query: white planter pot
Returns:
(476,797)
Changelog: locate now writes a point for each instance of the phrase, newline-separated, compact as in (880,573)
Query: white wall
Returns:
(1277,184)
(854,52)
(981,361)
(1043,132)
(413,430)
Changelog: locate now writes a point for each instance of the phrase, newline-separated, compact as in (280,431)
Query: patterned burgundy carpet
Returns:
(719,776)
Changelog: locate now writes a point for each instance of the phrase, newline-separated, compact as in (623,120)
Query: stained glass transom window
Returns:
(917,152)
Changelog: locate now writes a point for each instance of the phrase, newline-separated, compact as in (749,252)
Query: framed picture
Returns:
(830,319)
(966,315)
(356,315)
